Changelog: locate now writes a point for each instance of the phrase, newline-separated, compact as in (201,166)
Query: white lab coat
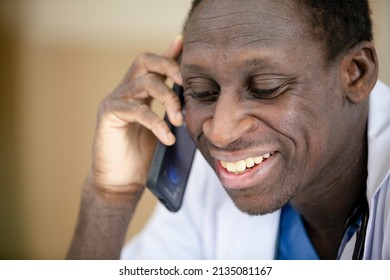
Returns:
(209,226)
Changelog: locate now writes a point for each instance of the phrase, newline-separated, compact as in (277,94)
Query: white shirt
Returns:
(209,226)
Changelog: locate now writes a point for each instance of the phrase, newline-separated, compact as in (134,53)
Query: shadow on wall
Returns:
(11,239)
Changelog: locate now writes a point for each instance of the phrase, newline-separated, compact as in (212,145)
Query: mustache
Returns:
(239,144)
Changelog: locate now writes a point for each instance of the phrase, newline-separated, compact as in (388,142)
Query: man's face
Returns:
(262,107)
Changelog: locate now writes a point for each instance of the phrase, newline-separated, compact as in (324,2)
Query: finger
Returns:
(165,95)
(133,112)
(150,85)
(147,62)
(175,48)
(159,127)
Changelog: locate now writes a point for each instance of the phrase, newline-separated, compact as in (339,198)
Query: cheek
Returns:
(314,127)
(194,118)
(302,126)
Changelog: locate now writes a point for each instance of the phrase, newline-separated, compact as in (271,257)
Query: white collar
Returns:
(378,138)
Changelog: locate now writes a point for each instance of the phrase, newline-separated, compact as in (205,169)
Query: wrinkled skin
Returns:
(255,83)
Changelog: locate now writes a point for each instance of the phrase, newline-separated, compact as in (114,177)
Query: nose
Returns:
(229,122)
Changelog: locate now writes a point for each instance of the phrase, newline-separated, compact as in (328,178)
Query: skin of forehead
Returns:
(240,23)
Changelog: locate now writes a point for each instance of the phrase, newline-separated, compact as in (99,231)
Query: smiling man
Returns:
(283,103)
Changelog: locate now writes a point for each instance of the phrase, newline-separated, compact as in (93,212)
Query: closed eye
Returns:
(205,97)
(265,93)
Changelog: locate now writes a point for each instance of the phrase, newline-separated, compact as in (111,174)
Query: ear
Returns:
(359,71)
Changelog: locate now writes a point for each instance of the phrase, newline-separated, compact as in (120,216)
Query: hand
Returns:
(124,141)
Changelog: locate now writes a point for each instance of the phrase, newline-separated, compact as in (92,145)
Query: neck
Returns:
(326,212)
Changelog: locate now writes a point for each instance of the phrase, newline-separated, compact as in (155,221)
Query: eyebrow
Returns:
(195,68)
(248,64)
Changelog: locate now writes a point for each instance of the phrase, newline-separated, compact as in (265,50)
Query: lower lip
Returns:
(250,177)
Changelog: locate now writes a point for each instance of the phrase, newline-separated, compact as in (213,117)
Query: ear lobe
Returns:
(359,71)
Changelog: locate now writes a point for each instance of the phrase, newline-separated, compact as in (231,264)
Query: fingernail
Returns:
(178,38)
(178,75)
(179,117)
(170,138)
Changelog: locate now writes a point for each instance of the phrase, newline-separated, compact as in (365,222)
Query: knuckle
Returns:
(142,109)
(157,125)
(171,99)
(172,66)
(149,119)
(148,79)
(151,80)
(171,62)
(104,109)
(103,105)
(141,58)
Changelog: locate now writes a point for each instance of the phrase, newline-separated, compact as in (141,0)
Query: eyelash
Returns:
(212,96)
(206,97)
(263,93)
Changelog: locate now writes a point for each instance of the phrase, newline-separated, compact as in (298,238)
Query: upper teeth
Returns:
(241,165)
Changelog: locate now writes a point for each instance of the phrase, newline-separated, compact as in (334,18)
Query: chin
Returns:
(256,210)
(255,205)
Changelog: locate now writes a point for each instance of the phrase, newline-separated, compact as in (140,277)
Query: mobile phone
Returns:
(171,165)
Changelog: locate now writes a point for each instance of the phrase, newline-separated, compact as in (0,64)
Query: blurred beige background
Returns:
(59,58)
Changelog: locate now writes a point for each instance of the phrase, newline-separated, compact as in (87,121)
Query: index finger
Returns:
(151,63)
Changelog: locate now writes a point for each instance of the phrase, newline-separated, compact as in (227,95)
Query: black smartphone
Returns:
(171,165)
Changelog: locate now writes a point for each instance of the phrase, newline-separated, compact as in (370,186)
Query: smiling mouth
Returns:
(241,166)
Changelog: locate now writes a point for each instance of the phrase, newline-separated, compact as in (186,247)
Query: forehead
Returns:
(244,22)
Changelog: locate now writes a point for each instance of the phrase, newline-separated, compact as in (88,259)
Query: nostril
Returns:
(224,131)
(217,133)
